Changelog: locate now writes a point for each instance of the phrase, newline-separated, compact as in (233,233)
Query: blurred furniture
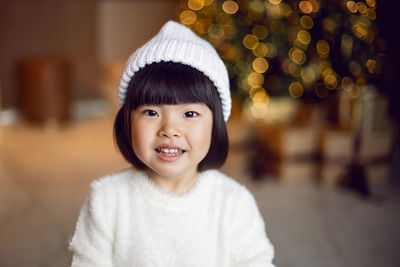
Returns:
(44,89)
(293,151)
(337,151)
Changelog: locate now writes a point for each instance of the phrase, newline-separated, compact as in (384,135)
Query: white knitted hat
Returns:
(177,43)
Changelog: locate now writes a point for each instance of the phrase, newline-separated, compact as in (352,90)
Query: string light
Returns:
(296,89)
(188,17)
(260,65)
(256,37)
(230,7)
(196,4)
(306,22)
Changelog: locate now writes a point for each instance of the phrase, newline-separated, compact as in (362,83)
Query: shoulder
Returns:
(228,187)
(113,180)
(114,184)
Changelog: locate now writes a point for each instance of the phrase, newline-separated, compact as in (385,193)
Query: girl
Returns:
(173,209)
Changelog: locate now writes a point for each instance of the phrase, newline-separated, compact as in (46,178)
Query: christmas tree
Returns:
(307,49)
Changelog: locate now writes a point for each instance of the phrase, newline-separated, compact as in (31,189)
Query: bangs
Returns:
(169,83)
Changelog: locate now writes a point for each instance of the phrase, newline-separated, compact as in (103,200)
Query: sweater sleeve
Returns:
(249,242)
(91,244)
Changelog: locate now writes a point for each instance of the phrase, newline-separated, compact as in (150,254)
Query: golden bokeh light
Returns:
(255,79)
(324,65)
(188,17)
(371,3)
(306,7)
(355,91)
(196,4)
(202,26)
(308,75)
(315,6)
(261,50)
(330,81)
(294,69)
(260,65)
(360,31)
(230,7)
(275,2)
(371,65)
(260,100)
(275,11)
(352,6)
(254,90)
(306,22)
(371,14)
(296,89)
(260,96)
(323,48)
(260,32)
(250,41)
(258,111)
(362,8)
(304,37)
(347,83)
(297,56)
(208,2)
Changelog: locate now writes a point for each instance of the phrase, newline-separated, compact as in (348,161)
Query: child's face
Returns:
(171,140)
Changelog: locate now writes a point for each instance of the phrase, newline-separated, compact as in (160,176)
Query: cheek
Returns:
(203,137)
(138,139)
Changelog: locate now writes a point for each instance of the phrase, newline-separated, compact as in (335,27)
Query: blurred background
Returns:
(313,133)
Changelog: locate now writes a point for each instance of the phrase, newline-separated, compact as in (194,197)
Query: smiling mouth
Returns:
(169,151)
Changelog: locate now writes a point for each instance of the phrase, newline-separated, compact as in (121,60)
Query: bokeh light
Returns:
(352,6)
(188,17)
(296,89)
(306,22)
(297,55)
(260,32)
(260,65)
(230,7)
(275,2)
(255,79)
(250,41)
(196,4)
(305,7)
(323,48)
(261,50)
(304,37)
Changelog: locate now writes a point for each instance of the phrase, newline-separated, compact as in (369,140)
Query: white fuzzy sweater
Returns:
(129,221)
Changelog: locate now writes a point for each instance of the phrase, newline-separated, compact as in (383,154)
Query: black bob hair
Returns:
(171,83)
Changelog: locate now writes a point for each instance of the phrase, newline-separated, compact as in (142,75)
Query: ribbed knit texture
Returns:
(128,221)
(177,43)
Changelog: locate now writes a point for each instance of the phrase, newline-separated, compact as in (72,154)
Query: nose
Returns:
(169,128)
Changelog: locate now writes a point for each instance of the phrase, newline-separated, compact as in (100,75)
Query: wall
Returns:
(90,34)
(123,26)
(48,28)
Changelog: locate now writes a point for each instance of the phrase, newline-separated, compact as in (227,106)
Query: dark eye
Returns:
(150,113)
(191,114)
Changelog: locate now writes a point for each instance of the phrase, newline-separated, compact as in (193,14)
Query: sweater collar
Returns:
(168,200)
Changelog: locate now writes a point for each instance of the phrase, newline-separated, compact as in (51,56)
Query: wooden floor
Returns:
(44,178)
